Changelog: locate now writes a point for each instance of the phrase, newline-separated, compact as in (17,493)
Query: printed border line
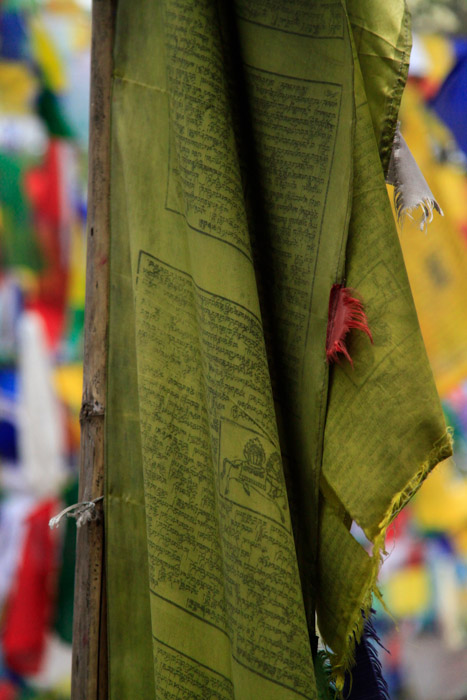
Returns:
(169,160)
(375,367)
(256,512)
(293,77)
(318,245)
(260,430)
(287,31)
(210,235)
(198,663)
(180,213)
(201,289)
(189,612)
(325,382)
(241,663)
(271,680)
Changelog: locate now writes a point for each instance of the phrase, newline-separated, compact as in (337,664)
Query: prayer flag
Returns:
(249,148)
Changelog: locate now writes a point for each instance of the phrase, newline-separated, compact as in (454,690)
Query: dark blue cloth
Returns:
(460,48)
(13,36)
(450,104)
(8,429)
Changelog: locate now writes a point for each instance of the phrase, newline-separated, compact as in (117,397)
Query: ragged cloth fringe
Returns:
(411,190)
(346,312)
(366,680)
(324,684)
(343,664)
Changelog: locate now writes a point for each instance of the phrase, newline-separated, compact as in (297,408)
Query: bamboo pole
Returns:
(89,662)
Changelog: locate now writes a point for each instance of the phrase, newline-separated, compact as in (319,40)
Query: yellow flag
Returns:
(437,262)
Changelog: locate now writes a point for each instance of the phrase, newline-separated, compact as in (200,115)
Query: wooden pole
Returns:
(89,663)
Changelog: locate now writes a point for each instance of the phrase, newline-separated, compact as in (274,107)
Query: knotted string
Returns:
(83,512)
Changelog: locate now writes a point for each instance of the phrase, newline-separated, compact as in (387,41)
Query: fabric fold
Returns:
(246,182)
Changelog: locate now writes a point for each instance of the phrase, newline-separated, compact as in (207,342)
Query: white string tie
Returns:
(83,513)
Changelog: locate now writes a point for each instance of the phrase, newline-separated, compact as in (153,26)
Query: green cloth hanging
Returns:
(63,623)
(248,157)
(51,113)
(18,245)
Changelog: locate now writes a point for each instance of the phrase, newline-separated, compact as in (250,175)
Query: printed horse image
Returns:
(255,473)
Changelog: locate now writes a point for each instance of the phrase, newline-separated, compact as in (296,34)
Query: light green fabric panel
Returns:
(341,598)
(388,403)
(385,429)
(129,618)
(383,41)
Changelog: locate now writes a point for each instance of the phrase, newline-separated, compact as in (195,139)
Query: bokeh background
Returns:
(44,103)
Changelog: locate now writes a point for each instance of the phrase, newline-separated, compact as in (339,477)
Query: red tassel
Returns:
(345,312)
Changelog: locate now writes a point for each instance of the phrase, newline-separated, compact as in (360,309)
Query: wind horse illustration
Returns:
(255,472)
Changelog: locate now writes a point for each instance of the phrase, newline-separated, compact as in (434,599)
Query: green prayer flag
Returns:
(51,113)
(63,614)
(249,144)
(18,244)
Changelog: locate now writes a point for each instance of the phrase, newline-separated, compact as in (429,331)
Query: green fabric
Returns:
(65,594)
(345,583)
(383,41)
(50,111)
(73,350)
(17,242)
(323,677)
(129,616)
(242,143)
(385,410)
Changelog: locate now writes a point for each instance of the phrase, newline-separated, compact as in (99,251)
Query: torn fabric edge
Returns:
(411,190)
(343,663)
